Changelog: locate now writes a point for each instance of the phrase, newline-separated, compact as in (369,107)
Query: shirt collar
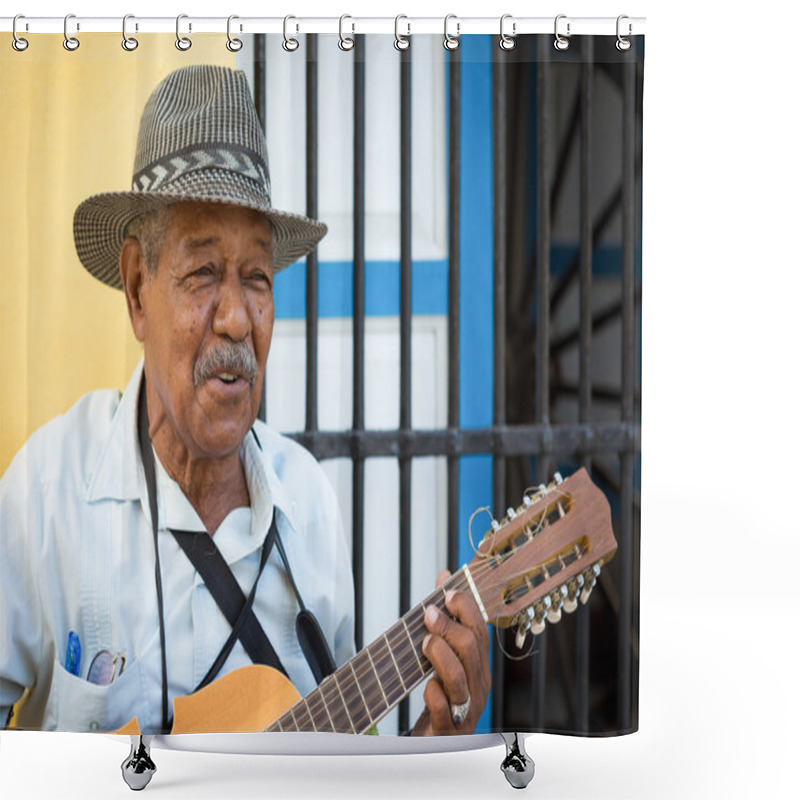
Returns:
(119,474)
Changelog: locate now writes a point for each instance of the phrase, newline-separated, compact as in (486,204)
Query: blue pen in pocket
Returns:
(72,663)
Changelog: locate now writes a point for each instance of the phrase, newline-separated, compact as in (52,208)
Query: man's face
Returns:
(208,316)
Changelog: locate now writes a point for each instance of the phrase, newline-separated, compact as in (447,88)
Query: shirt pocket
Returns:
(82,706)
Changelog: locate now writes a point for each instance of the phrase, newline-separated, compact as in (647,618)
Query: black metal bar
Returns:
(359,327)
(405,343)
(582,631)
(600,320)
(499,205)
(565,153)
(600,394)
(604,219)
(260,78)
(542,320)
(312,271)
(569,440)
(625,565)
(260,101)
(454,300)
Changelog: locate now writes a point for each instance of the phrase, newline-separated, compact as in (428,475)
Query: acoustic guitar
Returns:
(543,558)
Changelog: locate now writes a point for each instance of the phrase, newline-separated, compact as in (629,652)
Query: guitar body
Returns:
(246,700)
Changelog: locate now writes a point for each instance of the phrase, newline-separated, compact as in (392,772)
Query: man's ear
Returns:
(133,272)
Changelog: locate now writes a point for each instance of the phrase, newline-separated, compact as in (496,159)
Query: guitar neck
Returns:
(370,685)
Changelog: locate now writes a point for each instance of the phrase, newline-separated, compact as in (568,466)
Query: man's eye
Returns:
(204,271)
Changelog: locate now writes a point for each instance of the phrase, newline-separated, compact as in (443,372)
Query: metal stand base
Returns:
(138,768)
(518,766)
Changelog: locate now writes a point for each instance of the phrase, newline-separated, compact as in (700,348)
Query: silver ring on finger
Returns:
(459,711)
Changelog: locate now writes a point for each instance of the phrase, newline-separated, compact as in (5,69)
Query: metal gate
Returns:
(566,341)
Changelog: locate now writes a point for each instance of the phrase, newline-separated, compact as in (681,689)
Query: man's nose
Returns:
(232,318)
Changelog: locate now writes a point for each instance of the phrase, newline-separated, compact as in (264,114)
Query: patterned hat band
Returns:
(240,161)
(200,140)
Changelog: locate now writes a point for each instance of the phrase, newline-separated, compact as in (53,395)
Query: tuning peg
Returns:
(590,579)
(556,601)
(538,627)
(538,614)
(510,513)
(557,478)
(571,600)
(522,632)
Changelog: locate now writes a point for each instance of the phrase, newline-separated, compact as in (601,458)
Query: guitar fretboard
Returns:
(372,683)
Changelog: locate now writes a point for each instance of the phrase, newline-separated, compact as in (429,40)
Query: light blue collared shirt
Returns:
(76,554)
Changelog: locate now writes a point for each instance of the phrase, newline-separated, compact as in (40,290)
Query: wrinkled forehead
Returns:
(194,226)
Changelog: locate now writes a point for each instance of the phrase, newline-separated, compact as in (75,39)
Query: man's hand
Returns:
(458,648)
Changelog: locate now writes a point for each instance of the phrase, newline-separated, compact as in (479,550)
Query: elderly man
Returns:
(154,541)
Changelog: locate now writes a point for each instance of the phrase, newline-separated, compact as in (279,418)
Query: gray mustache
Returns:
(227,357)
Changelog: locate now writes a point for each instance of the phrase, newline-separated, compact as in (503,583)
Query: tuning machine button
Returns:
(590,579)
(522,632)
(573,587)
(556,601)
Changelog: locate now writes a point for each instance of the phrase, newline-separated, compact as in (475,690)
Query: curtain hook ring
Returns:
(401,42)
(561,42)
(19,44)
(70,42)
(233,44)
(128,42)
(623,43)
(507,42)
(183,43)
(451,42)
(346,42)
(289,45)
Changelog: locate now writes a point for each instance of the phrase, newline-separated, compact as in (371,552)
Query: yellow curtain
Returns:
(68,127)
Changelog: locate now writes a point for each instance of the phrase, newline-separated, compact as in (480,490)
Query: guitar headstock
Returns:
(545,555)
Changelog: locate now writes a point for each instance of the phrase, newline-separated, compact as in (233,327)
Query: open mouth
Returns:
(227,377)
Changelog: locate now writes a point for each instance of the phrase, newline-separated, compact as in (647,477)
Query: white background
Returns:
(719,698)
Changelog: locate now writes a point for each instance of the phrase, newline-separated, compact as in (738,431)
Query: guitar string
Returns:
(401,661)
(404,659)
(391,679)
(393,684)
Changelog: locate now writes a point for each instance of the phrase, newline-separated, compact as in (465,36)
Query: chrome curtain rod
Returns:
(346,24)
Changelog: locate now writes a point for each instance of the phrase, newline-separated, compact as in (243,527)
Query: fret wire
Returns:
(308,708)
(372,696)
(394,661)
(391,686)
(413,646)
(399,639)
(386,700)
(321,689)
(410,625)
(354,698)
(363,699)
(344,702)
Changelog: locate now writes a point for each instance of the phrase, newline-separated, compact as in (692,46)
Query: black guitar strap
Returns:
(204,555)
(218,578)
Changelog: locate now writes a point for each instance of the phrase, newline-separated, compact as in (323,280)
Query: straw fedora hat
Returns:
(199,140)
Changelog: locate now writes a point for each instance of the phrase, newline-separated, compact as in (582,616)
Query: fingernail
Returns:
(425,642)
(431,615)
(448,595)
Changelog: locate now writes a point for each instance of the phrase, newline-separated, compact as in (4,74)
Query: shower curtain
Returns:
(465,336)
